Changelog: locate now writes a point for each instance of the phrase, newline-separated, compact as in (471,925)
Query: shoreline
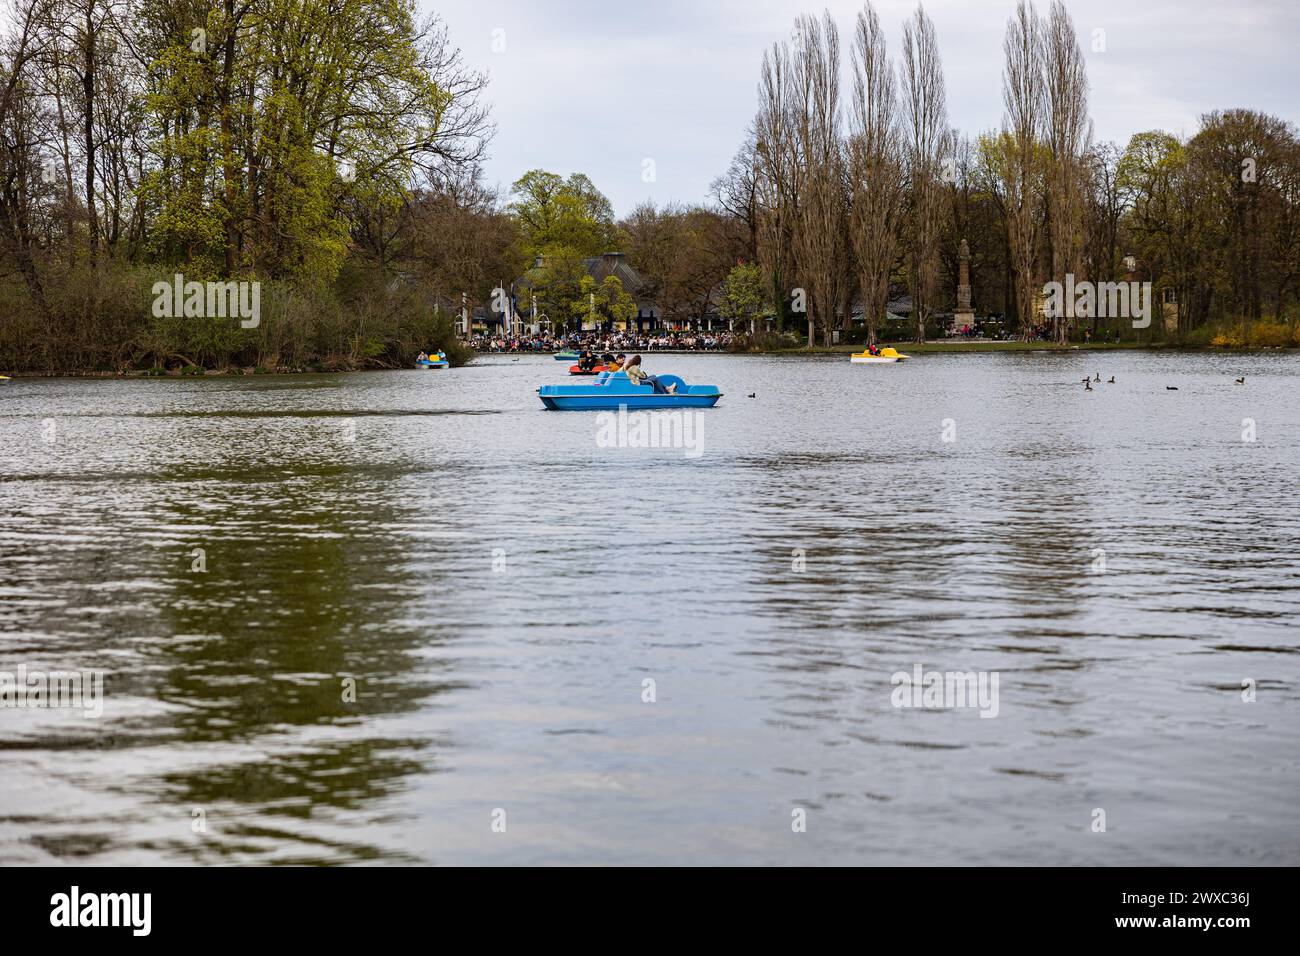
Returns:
(936,346)
(910,348)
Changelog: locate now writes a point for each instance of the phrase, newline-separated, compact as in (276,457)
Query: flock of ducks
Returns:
(1087,382)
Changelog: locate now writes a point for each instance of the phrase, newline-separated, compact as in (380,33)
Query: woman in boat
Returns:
(423,357)
(639,377)
(586,361)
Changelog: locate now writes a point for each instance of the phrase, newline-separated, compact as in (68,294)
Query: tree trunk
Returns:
(227,152)
(88,87)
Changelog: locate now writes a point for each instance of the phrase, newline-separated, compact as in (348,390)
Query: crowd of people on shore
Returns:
(601,342)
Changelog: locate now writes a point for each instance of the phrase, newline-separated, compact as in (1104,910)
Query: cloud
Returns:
(598,87)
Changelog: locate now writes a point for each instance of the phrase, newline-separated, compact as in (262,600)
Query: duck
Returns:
(1098,378)
(1087,385)
(1111,381)
(1171,388)
(752,395)
(1242,380)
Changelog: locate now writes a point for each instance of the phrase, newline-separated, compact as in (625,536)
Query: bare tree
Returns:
(1103,206)
(926,113)
(820,236)
(20,159)
(1068,131)
(123,149)
(776,185)
(876,167)
(1023,97)
(736,193)
(81,42)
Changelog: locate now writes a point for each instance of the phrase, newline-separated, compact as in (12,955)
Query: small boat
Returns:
(884,355)
(613,390)
(579,370)
(4,378)
(568,355)
(436,360)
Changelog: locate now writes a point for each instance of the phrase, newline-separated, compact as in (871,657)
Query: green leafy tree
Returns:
(744,297)
(557,287)
(562,214)
(604,302)
(281,117)
(1163,220)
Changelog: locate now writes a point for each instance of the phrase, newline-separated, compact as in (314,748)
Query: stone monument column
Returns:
(963,314)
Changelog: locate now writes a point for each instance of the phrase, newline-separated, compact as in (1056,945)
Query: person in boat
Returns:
(873,349)
(586,361)
(639,377)
(612,365)
(423,357)
(607,360)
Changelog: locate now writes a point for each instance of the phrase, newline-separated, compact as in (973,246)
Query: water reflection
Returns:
(501,589)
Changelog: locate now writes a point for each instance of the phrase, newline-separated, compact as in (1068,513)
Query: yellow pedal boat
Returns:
(884,355)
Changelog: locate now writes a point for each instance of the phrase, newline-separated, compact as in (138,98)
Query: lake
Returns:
(413,617)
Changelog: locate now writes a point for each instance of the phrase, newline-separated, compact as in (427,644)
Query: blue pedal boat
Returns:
(613,390)
(437,360)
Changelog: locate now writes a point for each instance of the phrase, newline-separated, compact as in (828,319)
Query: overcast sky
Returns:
(601,86)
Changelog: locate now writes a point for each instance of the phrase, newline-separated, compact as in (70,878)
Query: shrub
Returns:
(764,342)
(1230,335)
(103,318)
(1269,335)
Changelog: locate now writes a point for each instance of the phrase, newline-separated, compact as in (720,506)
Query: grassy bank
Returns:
(931,348)
(1258,336)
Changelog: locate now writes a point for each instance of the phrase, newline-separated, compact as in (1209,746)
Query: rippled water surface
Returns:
(500,587)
